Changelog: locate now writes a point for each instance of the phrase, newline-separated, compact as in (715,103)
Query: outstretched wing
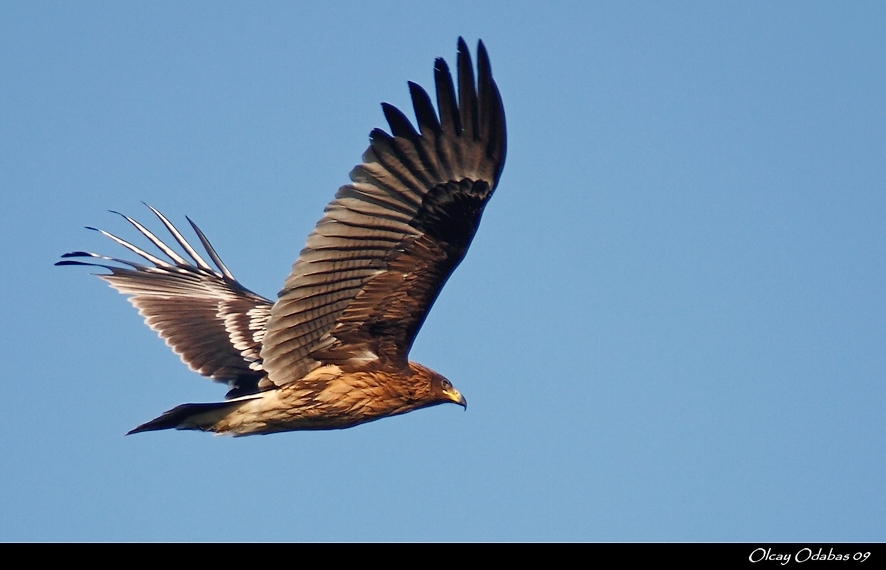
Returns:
(384,248)
(215,324)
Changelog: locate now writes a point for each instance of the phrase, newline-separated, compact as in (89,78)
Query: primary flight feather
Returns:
(332,351)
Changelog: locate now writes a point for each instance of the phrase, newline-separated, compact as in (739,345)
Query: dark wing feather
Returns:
(215,324)
(375,263)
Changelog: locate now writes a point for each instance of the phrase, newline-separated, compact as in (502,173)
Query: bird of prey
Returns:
(332,351)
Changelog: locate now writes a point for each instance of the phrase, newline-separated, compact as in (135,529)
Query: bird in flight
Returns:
(332,351)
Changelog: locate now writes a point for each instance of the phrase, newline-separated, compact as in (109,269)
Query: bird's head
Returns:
(447,392)
(441,390)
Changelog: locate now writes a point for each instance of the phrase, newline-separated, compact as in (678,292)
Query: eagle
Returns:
(332,351)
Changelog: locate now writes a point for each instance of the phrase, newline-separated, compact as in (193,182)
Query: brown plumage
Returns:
(332,352)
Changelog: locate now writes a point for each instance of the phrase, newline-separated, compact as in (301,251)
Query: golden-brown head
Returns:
(440,390)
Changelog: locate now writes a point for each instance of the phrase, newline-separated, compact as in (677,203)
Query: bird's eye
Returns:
(447,385)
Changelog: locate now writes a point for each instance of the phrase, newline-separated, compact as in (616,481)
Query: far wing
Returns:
(215,324)
(384,248)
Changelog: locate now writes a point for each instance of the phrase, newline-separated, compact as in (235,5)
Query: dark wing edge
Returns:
(385,246)
(203,313)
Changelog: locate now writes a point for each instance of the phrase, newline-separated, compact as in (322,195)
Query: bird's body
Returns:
(326,398)
(332,351)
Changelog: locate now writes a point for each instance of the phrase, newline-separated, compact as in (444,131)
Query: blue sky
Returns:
(671,324)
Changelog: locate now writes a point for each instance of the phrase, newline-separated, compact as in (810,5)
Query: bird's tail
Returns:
(201,417)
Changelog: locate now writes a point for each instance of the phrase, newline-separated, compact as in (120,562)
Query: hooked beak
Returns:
(456,398)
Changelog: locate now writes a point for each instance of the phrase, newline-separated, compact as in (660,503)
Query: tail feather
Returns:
(191,417)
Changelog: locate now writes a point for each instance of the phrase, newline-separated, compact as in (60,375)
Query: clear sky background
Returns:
(671,324)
